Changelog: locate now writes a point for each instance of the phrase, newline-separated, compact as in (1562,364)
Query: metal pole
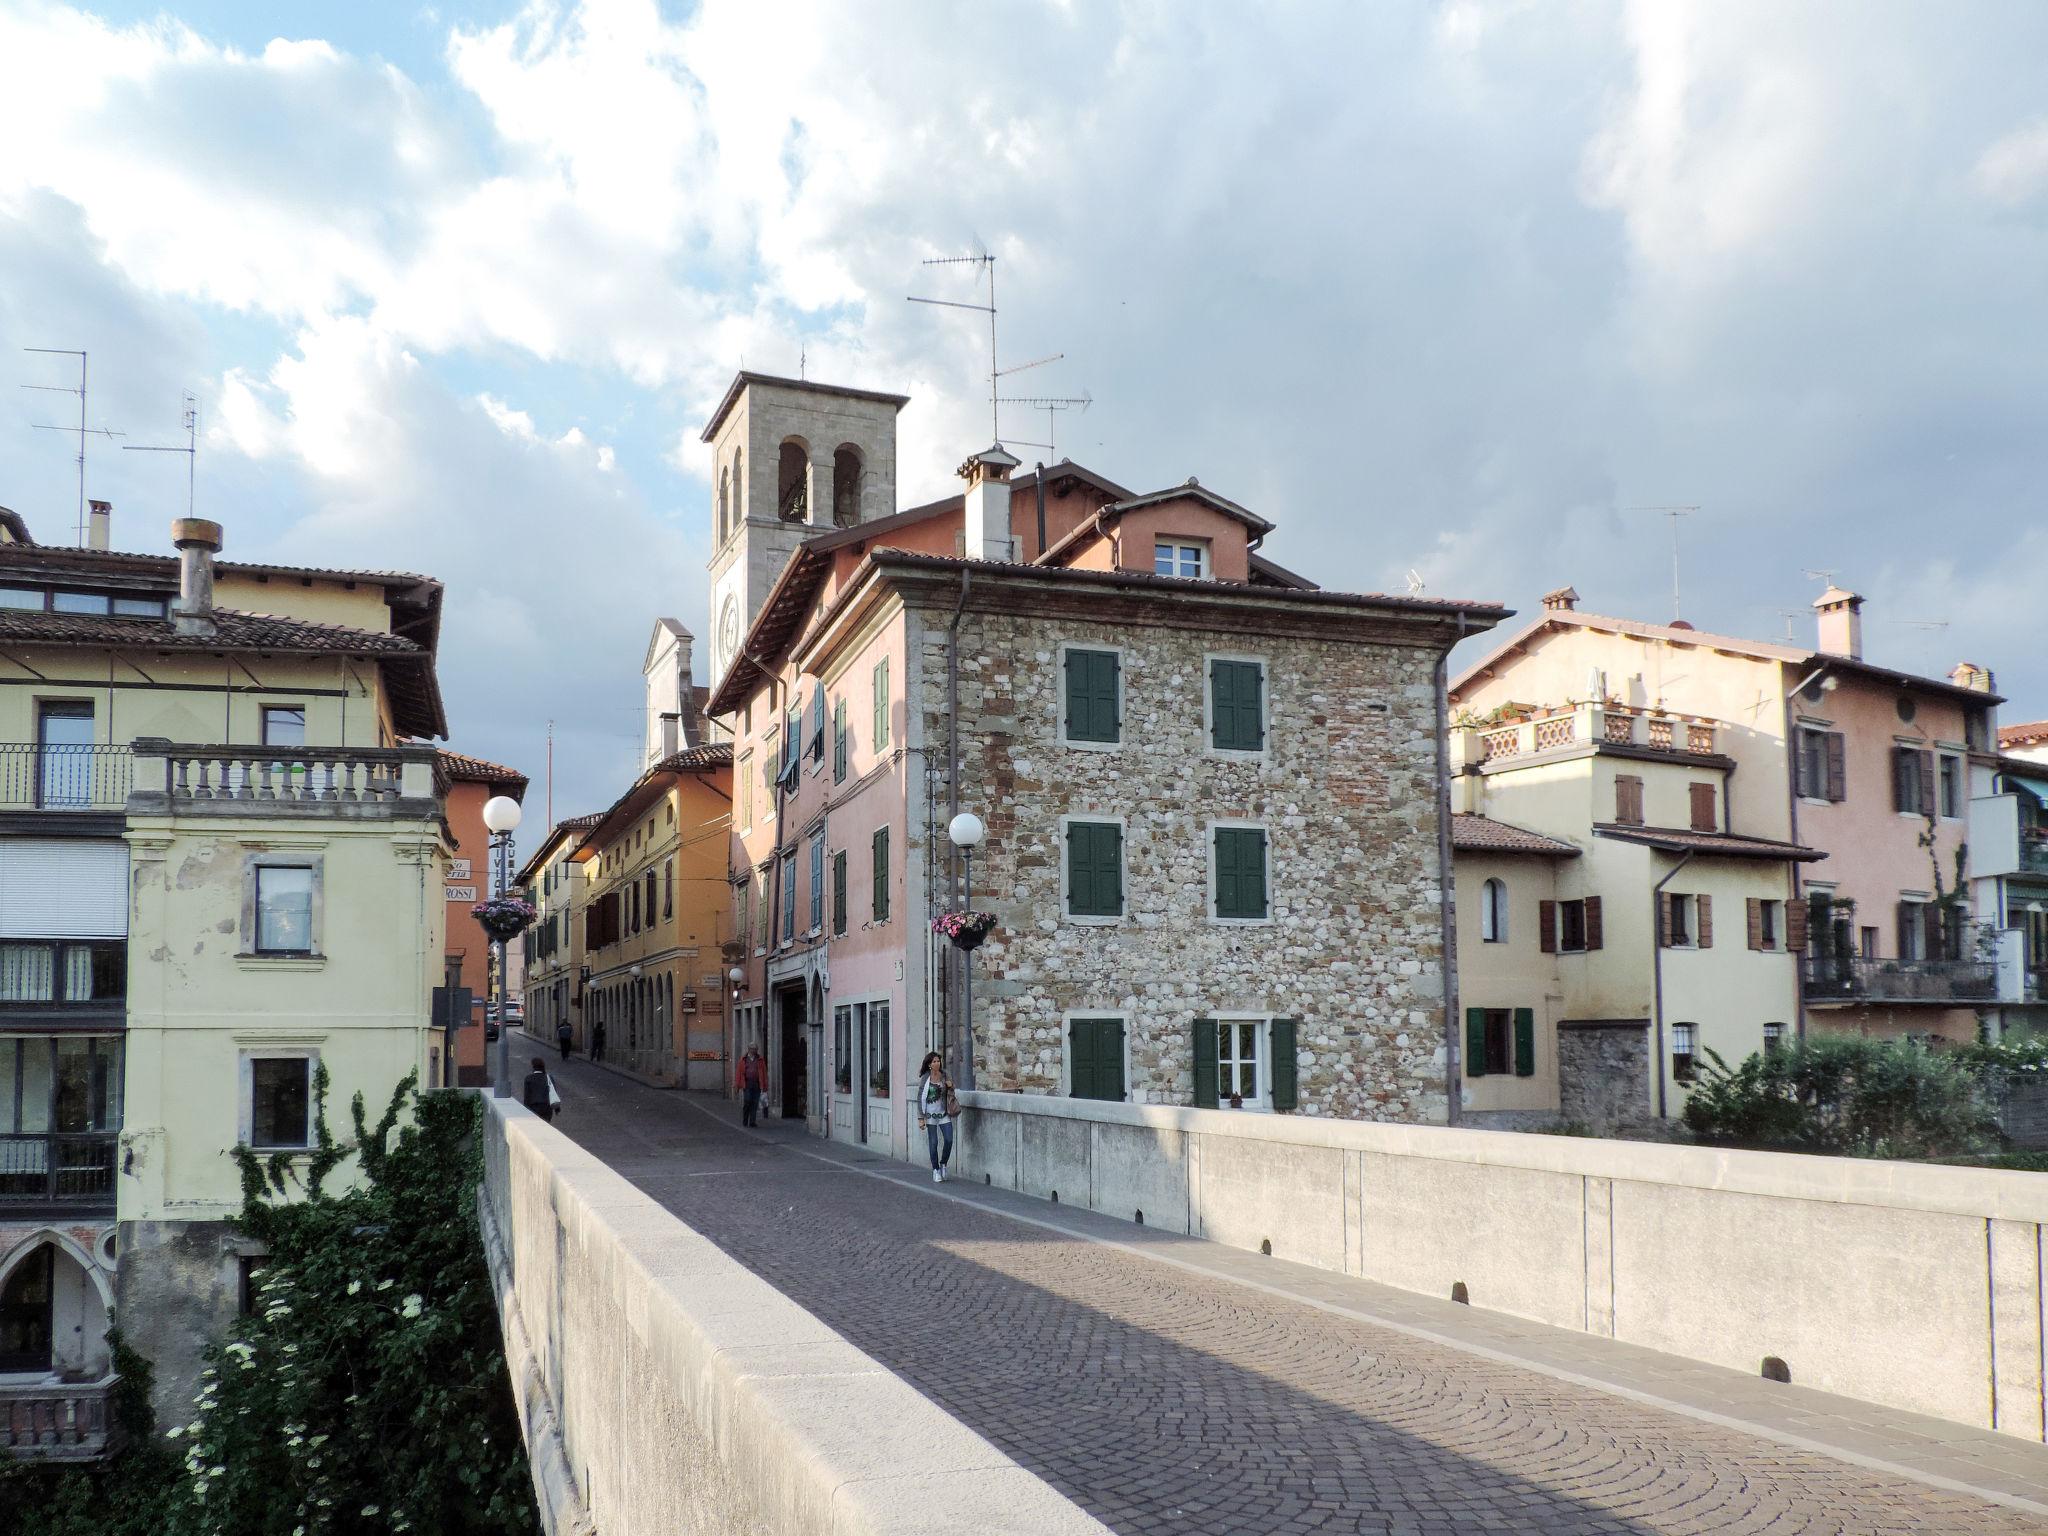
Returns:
(965,1075)
(499,843)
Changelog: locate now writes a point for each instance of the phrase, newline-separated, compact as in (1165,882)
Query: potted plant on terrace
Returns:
(965,929)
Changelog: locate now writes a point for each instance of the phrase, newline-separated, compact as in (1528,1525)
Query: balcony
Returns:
(1934,982)
(1592,725)
(72,1170)
(56,1421)
(354,783)
(34,777)
(2034,850)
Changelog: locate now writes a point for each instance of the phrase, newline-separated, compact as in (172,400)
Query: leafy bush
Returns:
(1844,1094)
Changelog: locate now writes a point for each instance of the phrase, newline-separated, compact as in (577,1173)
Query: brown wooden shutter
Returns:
(1795,926)
(1593,932)
(1756,923)
(1933,939)
(1703,819)
(1838,772)
(1705,904)
(1663,919)
(1628,800)
(1546,927)
(1926,764)
(1905,923)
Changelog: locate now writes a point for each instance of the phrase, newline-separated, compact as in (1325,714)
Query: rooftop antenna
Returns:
(987,262)
(190,449)
(1416,585)
(1048,404)
(81,429)
(1826,576)
(1674,513)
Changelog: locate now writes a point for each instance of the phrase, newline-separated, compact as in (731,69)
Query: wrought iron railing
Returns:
(1858,979)
(64,778)
(72,1168)
(60,1421)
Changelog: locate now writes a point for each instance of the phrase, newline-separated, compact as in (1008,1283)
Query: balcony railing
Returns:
(1859,980)
(1583,724)
(56,1421)
(64,778)
(254,780)
(2034,852)
(58,1168)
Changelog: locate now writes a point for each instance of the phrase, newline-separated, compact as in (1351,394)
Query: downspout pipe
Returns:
(1657,970)
(963,1073)
(1454,1082)
(1040,488)
(1797,875)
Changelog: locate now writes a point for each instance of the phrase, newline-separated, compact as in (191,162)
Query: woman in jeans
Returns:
(934,1113)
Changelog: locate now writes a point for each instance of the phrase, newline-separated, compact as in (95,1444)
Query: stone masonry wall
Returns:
(1603,1075)
(1346,790)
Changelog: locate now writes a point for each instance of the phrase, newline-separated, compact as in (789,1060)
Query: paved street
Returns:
(1224,1393)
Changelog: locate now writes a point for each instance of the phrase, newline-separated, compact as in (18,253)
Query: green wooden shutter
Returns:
(1525,1042)
(1205,1064)
(1236,716)
(882,705)
(1109,869)
(1475,1042)
(1285,1094)
(1241,872)
(1096,1059)
(1095,883)
(1091,700)
(881,874)
(839,891)
(839,741)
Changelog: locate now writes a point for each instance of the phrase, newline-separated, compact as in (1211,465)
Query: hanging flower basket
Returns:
(504,918)
(965,929)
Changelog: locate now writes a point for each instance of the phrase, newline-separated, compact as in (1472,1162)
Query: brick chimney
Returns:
(1563,600)
(197,541)
(99,524)
(1841,622)
(1968,674)
(986,533)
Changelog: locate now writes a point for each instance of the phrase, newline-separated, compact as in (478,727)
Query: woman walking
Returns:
(936,1106)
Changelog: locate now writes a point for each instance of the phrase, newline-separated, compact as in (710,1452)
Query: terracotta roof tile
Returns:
(1723,844)
(2029,733)
(479,770)
(233,631)
(1482,834)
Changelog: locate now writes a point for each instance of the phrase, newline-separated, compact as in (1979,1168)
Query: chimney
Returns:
(1968,674)
(99,524)
(1563,600)
(1841,622)
(671,729)
(986,533)
(197,541)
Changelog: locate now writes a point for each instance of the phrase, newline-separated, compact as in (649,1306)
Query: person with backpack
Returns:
(937,1104)
(539,1094)
(753,1083)
(562,1036)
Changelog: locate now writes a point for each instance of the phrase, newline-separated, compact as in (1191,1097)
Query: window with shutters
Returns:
(842,1048)
(1091,697)
(1628,800)
(839,892)
(1498,1040)
(1819,764)
(1237,873)
(1571,926)
(1766,923)
(1685,1041)
(788,932)
(1493,912)
(745,780)
(1951,786)
(881,874)
(1095,1057)
(1680,930)
(668,889)
(880,723)
(1912,781)
(1094,871)
(1239,1050)
(1704,816)
(1236,704)
(839,741)
(817,885)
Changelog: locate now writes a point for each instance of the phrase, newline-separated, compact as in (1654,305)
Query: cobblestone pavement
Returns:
(1164,1400)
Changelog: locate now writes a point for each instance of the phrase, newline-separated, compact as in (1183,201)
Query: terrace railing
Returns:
(74,1169)
(1858,979)
(64,778)
(60,1421)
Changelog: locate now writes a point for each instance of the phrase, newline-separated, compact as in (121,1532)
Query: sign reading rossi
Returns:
(462,893)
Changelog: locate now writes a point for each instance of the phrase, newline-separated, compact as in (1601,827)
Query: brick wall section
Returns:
(1346,792)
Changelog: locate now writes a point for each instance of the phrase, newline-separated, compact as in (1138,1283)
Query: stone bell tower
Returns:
(790,459)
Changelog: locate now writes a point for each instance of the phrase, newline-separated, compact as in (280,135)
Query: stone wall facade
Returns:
(1346,790)
(1603,1074)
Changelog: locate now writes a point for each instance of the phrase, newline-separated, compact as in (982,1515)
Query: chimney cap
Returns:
(196,533)
(100,506)
(992,462)
(1562,599)
(1836,597)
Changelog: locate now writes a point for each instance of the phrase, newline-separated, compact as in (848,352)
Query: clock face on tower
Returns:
(729,632)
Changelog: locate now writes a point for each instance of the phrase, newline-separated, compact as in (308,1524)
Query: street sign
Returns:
(462,893)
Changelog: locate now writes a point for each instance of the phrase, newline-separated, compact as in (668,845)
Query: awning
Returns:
(2038,788)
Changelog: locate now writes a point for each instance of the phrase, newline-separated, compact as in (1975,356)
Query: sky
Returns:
(1452,292)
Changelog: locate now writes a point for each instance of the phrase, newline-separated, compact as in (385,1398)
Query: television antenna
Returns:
(1048,404)
(984,262)
(1416,585)
(81,429)
(190,449)
(1674,513)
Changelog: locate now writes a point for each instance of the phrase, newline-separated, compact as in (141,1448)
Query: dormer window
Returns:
(1177,557)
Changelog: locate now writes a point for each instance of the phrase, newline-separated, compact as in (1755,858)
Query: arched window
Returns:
(845,487)
(27,1320)
(1493,912)
(739,488)
(792,483)
(724,504)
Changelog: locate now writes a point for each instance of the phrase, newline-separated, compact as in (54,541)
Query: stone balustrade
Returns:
(62,1421)
(235,780)
(1589,724)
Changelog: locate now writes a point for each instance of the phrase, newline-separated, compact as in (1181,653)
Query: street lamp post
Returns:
(738,978)
(966,830)
(501,817)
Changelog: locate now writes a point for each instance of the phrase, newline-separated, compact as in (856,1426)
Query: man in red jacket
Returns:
(753,1083)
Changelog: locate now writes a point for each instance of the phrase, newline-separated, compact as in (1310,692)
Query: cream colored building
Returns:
(221,870)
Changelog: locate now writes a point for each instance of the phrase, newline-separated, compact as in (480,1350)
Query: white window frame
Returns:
(1179,545)
(1209,841)
(1800,731)
(1122,1015)
(251,922)
(1235,754)
(1263,1103)
(1693,1033)
(1493,918)
(1774,942)
(1946,757)
(246,1061)
(1067,915)
(1059,697)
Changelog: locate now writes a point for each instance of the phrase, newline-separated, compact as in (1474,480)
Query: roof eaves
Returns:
(745,377)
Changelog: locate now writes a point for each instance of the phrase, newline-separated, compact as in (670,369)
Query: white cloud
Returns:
(2014,170)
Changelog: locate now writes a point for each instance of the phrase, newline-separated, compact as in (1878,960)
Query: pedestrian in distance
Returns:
(753,1083)
(538,1093)
(937,1104)
(597,1041)
(562,1038)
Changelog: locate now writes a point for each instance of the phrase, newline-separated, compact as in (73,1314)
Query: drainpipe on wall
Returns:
(1657,970)
(963,1076)
(1454,1086)
(1040,488)
(1797,875)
